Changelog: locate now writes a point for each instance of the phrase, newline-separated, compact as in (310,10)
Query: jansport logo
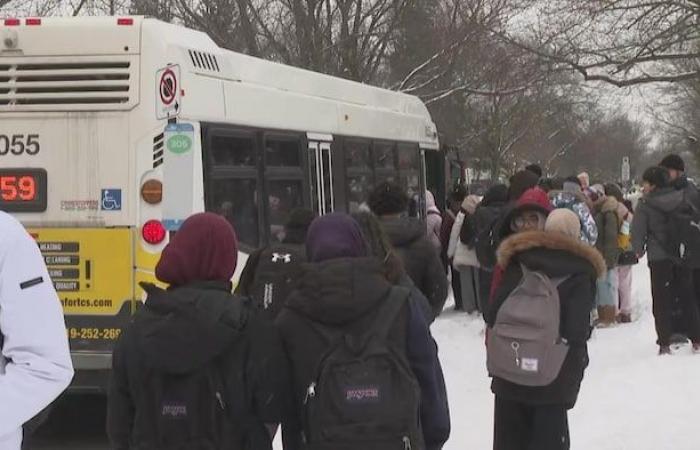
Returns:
(363,394)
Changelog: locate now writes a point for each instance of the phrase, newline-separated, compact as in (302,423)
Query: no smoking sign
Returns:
(168,99)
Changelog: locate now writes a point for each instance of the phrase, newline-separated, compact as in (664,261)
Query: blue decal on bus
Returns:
(111,200)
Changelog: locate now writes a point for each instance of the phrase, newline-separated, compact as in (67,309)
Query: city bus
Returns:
(114,129)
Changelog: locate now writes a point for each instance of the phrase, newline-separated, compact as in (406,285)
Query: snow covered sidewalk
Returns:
(631,398)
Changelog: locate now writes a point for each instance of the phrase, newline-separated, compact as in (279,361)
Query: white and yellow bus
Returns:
(113,130)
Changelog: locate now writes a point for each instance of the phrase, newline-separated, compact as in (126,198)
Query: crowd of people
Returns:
(327,338)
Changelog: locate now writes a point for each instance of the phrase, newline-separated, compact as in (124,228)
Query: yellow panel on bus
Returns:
(91,268)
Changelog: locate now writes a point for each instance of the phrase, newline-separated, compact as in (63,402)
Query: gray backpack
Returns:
(524,345)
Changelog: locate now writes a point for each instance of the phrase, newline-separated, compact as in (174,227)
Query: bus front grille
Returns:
(52,84)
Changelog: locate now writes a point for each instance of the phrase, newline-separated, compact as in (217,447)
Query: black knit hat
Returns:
(387,199)
(297,225)
(521,182)
(657,176)
(673,162)
(536,169)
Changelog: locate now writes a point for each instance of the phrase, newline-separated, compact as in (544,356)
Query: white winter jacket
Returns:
(35,366)
(462,256)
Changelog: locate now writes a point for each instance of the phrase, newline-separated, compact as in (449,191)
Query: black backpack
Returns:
(486,237)
(190,409)
(365,395)
(279,266)
(682,242)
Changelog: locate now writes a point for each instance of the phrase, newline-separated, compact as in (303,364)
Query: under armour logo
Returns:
(285,257)
(695,225)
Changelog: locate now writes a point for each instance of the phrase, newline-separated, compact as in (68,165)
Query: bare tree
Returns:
(620,42)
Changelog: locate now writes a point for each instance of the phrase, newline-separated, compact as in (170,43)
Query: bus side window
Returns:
(232,181)
(284,181)
(358,173)
(236,200)
(409,175)
(384,156)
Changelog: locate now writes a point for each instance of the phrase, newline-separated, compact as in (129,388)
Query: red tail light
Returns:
(153,232)
(126,21)
(11,22)
(33,21)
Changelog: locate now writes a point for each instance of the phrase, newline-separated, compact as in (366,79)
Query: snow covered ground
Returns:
(631,399)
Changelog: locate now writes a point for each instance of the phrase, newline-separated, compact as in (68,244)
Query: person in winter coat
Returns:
(624,269)
(527,214)
(35,363)
(433,221)
(676,169)
(573,198)
(342,288)
(668,280)
(270,270)
(608,224)
(379,246)
(463,256)
(196,326)
(455,199)
(535,418)
(521,182)
(421,260)
(486,218)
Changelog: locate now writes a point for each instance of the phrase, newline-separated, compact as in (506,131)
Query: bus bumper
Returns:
(91,371)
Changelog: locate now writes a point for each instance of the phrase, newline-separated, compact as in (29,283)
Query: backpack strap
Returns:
(555,281)
(387,312)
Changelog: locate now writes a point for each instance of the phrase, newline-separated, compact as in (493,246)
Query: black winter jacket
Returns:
(344,294)
(177,331)
(420,258)
(556,256)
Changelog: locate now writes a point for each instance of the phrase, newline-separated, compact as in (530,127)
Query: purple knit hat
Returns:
(334,236)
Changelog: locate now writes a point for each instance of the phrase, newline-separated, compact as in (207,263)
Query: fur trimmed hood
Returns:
(609,204)
(530,240)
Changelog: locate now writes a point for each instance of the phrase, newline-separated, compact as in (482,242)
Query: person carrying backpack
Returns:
(389,202)
(657,231)
(433,221)
(35,363)
(365,367)
(676,169)
(628,258)
(539,325)
(271,271)
(608,224)
(463,256)
(486,224)
(189,372)
(572,197)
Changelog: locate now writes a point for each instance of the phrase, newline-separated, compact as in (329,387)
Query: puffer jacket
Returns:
(578,204)
(650,224)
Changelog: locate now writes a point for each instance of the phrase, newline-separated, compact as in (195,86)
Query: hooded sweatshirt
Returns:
(343,293)
(649,227)
(187,327)
(420,258)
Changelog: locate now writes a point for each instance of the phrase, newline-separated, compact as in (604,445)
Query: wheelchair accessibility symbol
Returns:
(111,200)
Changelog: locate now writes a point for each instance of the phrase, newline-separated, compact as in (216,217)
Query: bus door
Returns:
(321,173)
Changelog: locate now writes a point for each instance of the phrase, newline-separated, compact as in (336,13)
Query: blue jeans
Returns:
(607,289)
